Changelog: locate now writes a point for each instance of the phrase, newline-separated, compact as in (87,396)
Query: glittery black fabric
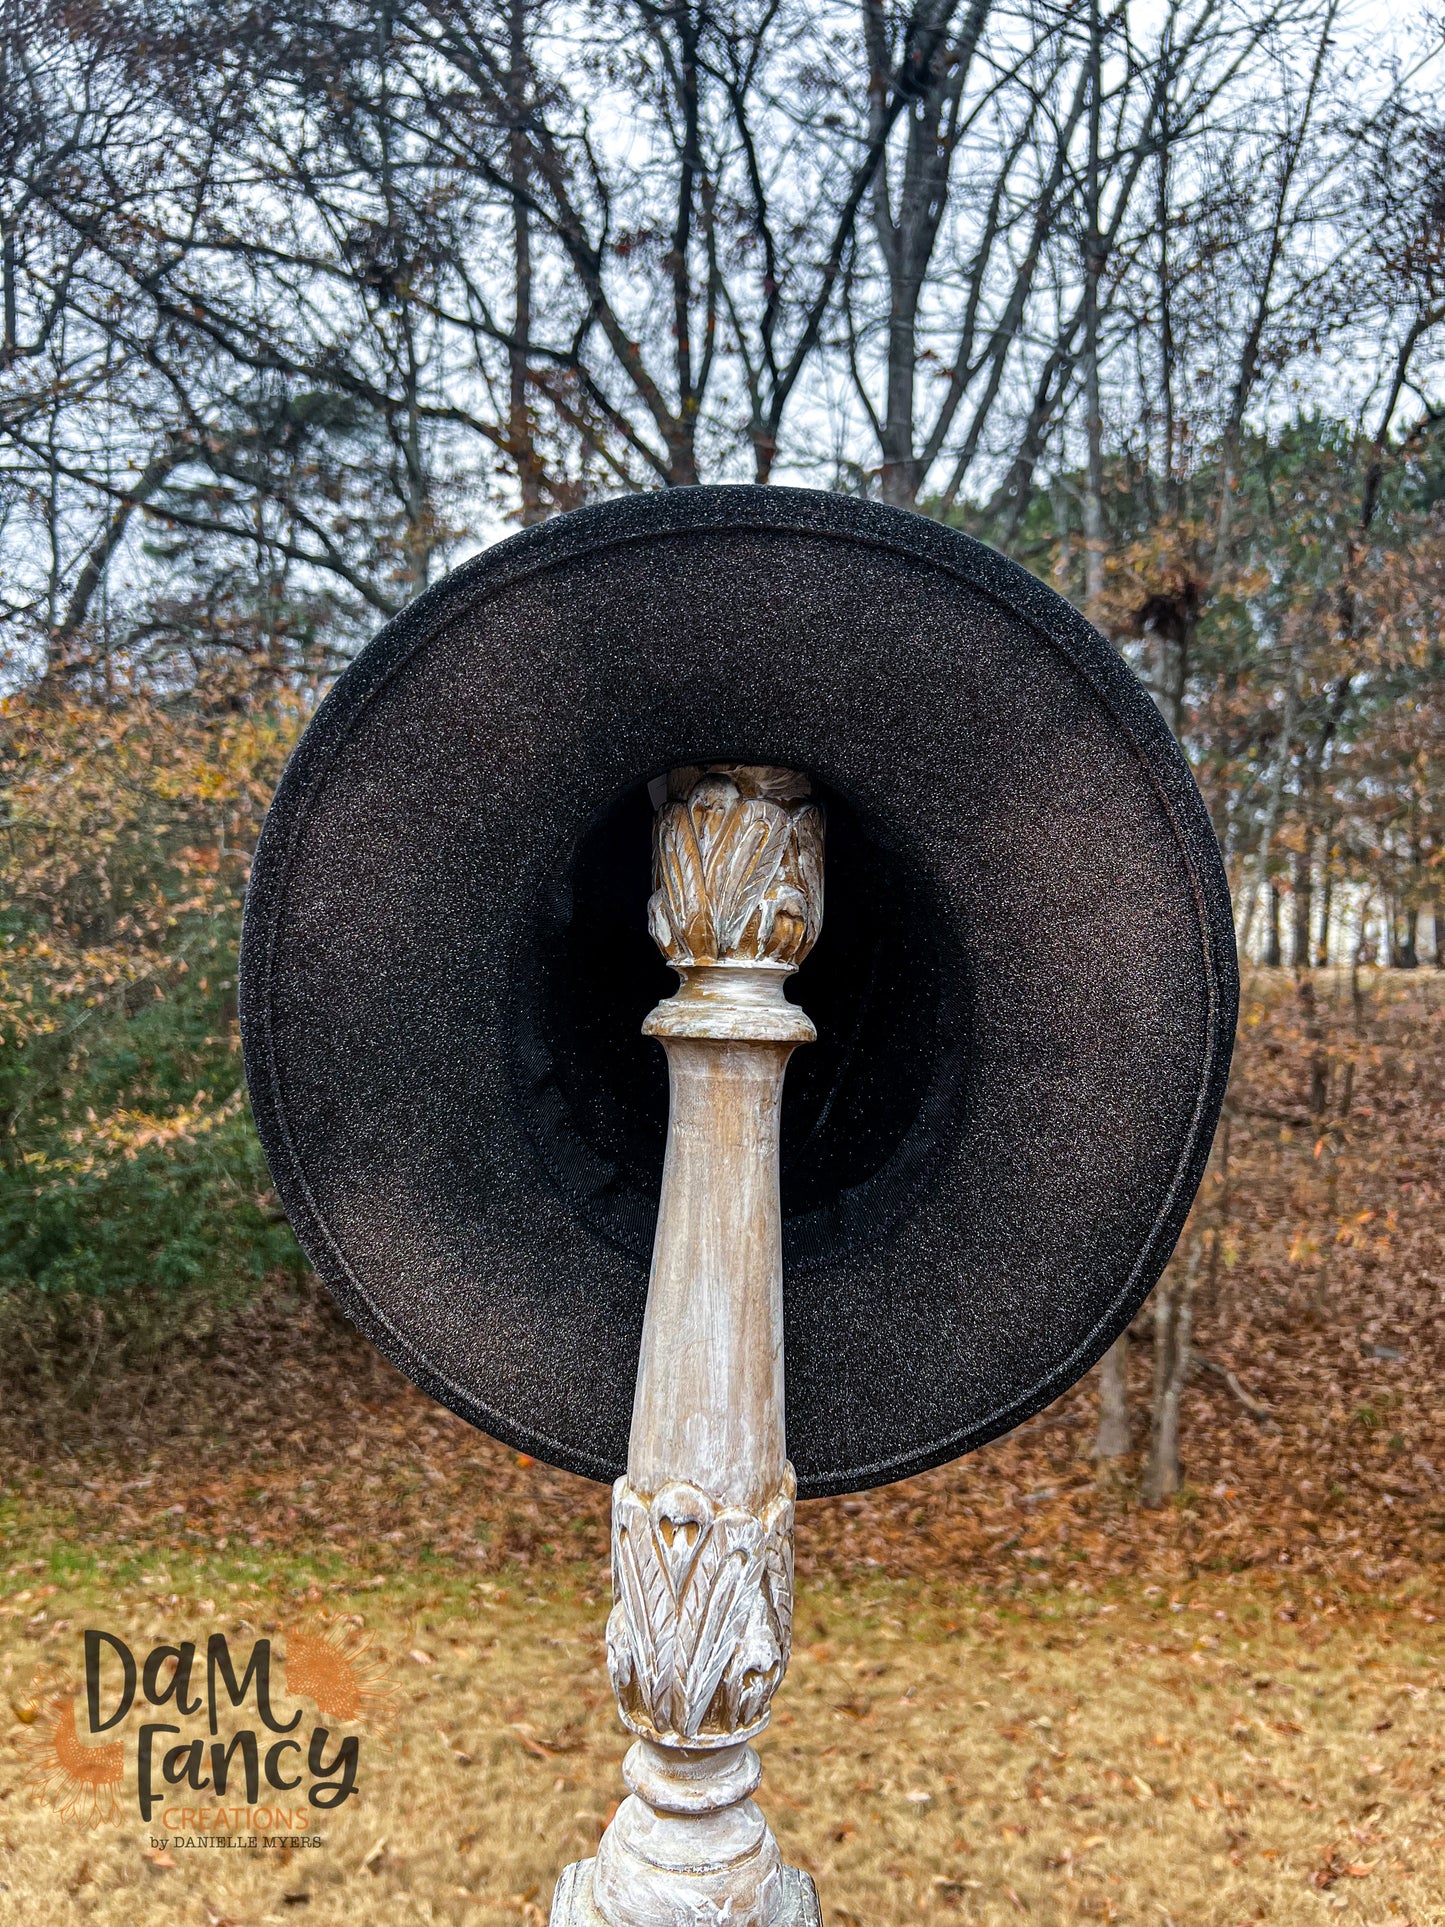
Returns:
(1025,987)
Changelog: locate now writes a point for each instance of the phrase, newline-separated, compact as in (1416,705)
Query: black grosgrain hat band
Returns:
(1024,989)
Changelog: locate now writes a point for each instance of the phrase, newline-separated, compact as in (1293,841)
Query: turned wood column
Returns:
(702,1523)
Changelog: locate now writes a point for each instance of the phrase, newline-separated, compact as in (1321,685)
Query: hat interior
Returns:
(862,1105)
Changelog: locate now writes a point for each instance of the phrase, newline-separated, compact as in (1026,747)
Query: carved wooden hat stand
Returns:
(614,748)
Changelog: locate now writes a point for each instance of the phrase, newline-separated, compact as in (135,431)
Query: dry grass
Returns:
(1076,1748)
(1192,1759)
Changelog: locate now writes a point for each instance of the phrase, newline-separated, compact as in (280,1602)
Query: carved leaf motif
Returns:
(713,800)
(619,1651)
(682,1526)
(737,867)
(697,1640)
(745,858)
(680,1516)
(681,893)
(716,1583)
(643,1594)
(780,1582)
(723,1631)
(808,833)
(755,1667)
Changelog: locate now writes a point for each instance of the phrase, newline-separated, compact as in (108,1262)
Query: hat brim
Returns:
(1025,1027)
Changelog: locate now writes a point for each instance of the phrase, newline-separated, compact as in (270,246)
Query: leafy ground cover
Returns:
(1321,1464)
(1015,1691)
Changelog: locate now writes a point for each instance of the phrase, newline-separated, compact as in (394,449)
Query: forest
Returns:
(303,305)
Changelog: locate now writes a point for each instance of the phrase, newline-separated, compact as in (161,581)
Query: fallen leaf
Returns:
(158,1856)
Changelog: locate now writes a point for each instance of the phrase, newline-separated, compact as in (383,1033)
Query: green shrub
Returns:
(130,1173)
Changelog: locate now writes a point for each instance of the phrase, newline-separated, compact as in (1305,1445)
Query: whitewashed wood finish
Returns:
(702,1524)
(702,1625)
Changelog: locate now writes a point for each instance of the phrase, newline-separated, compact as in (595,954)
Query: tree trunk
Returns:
(1179,666)
(1273,811)
(1273,955)
(1409,953)
(1315,1036)
(1327,891)
(1167,355)
(1435,924)
(1302,906)
(899,473)
(1114,1437)
(1173,1355)
(1093,504)
(521,435)
(1058,495)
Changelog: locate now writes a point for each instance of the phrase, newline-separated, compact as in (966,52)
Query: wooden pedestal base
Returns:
(573,1904)
(702,1524)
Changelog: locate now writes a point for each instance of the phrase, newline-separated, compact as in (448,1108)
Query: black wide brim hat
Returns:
(1024,990)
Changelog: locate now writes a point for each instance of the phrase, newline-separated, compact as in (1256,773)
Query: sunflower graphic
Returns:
(81,1782)
(330,1660)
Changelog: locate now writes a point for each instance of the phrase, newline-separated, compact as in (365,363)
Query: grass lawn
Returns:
(1162,1754)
